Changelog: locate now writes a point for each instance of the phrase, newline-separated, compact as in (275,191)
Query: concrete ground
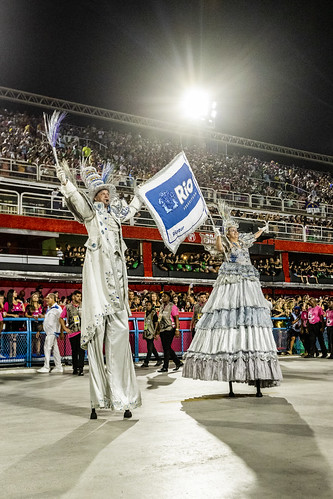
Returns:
(187,440)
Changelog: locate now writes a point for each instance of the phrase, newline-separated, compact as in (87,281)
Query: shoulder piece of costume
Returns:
(77,215)
(119,208)
(247,239)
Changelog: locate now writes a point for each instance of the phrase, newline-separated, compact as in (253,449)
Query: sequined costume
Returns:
(105,303)
(234,339)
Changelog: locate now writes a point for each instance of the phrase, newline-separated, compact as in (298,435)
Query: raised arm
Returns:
(265,228)
(77,203)
(134,206)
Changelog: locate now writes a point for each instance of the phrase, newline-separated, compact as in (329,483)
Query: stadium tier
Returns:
(42,243)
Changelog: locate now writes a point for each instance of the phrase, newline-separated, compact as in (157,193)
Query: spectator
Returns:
(197,311)
(316,328)
(295,328)
(329,324)
(168,328)
(52,330)
(72,314)
(149,333)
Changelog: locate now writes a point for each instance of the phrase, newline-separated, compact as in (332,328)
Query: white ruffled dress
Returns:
(234,338)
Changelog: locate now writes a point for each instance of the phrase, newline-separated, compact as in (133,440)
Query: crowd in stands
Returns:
(17,305)
(268,266)
(138,157)
(278,220)
(73,256)
(206,263)
(201,262)
(315,270)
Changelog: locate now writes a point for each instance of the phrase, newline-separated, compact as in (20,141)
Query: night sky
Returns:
(267,64)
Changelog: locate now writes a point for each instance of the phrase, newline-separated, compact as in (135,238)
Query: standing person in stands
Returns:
(234,339)
(149,333)
(304,328)
(51,327)
(72,313)
(2,313)
(14,308)
(329,324)
(197,311)
(168,327)
(295,328)
(34,310)
(155,301)
(316,328)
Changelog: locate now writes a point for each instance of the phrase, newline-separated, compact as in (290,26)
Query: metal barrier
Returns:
(9,202)
(19,345)
(15,342)
(180,345)
(281,337)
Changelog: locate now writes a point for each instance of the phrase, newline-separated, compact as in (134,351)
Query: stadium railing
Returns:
(19,345)
(33,172)
(49,206)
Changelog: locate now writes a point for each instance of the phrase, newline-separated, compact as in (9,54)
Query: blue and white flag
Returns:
(175,202)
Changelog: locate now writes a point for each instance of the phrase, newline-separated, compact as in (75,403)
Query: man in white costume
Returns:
(105,308)
(51,327)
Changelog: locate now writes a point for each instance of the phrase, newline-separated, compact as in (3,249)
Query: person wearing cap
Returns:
(105,307)
(295,329)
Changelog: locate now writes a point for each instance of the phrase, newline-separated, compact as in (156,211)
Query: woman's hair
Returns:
(31,301)
(10,298)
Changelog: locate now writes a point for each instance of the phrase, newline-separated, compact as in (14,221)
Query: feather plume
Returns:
(225,214)
(52,126)
(69,173)
(223,209)
(107,171)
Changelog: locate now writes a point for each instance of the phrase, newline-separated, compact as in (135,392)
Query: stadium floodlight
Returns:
(196,105)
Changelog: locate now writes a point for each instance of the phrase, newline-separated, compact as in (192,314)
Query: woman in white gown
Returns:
(234,338)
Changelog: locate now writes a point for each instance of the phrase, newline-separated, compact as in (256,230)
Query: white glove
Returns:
(136,204)
(217,231)
(61,175)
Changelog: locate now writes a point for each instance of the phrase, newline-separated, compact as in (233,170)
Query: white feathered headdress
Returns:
(95,182)
(225,213)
